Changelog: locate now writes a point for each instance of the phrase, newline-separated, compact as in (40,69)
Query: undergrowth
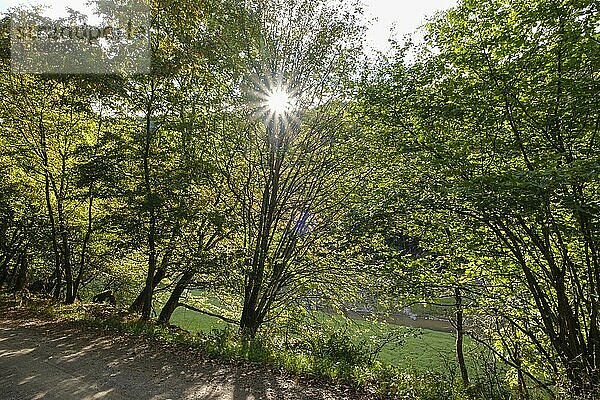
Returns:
(327,355)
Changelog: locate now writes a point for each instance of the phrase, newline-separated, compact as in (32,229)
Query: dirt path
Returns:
(47,360)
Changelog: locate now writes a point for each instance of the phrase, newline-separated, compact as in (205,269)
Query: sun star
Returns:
(278,101)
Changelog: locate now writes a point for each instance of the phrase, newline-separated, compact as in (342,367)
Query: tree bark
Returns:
(250,321)
(21,270)
(4,267)
(173,302)
(460,357)
(57,268)
(139,301)
(86,240)
(66,254)
(149,288)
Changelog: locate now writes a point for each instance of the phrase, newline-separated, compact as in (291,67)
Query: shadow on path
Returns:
(42,360)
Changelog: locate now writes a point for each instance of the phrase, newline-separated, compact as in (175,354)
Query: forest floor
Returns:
(41,358)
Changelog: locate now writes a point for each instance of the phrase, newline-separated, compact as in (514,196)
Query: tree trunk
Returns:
(159,275)
(4,268)
(251,318)
(21,273)
(3,274)
(523,392)
(57,270)
(151,277)
(149,287)
(460,357)
(14,272)
(86,240)
(66,254)
(12,248)
(140,300)
(249,326)
(250,321)
(172,303)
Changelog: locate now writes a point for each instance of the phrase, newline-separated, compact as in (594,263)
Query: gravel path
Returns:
(50,360)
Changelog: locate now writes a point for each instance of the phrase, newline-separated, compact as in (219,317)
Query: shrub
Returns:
(327,354)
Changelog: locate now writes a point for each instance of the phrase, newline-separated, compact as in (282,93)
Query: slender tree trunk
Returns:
(90,220)
(251,319)
(171,304)
(86,240)
(66,253)
(14,272)
(4,267)
(249,323)
(12,247)
(57,264)
(460,357)
(149,288)
(138,303)
(57,269)
(523,392)
(50,282)
(21,270)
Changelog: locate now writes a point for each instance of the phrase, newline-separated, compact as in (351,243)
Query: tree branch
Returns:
(222,318)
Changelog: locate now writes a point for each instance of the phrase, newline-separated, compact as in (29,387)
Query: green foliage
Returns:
(327,355)
(487,157)
(461,171)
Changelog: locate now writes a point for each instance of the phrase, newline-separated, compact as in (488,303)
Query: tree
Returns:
(285,167)
(496,120)
(45,124)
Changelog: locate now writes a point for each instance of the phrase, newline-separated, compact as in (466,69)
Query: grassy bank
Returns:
(327,355)
(420,350)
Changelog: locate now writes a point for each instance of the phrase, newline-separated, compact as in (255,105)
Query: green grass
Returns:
(422,350)
(331,356)
(419,350)
(196,322)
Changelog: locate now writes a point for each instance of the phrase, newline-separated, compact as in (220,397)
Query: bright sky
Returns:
(55,8)
(403,15)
